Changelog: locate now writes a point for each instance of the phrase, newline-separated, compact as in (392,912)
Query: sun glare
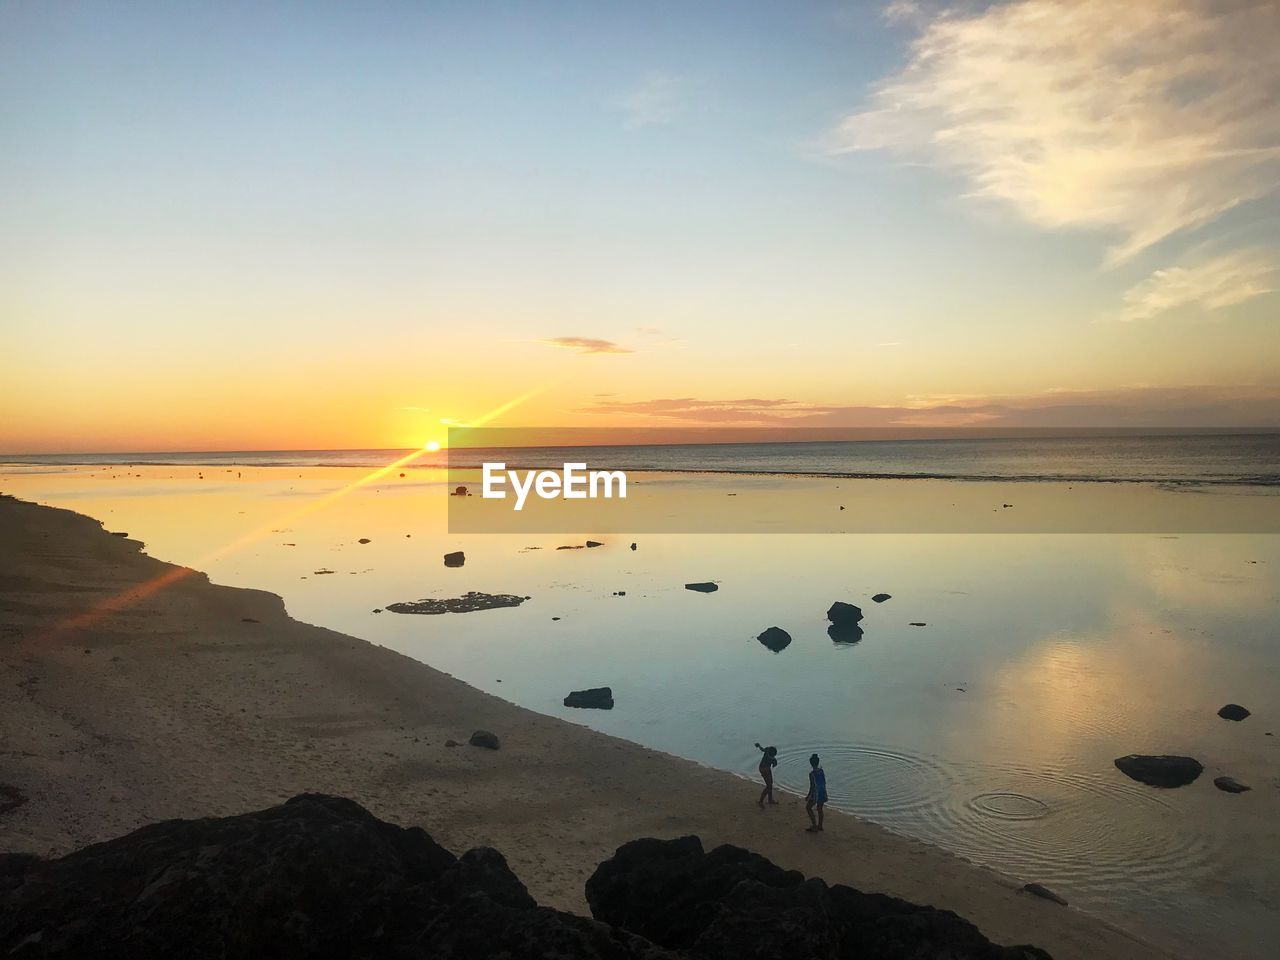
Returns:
(431,446)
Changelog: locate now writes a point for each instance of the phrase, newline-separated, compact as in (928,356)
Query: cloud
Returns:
(1206,284)
(585,345)
(657,99)
(1144,118)
(1137,406)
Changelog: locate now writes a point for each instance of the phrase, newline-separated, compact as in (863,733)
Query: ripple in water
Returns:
(1097,836)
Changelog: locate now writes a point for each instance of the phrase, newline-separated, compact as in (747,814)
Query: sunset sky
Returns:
(325,225)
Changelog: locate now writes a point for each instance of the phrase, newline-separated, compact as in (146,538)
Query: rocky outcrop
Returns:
(455,559)
(1163,771)
(732,904)
(707,587)
(882,597)
(467,603)
(1233,711)
(776,639)
(597,698)
(844,633)
(844,613)
(317,877)
(321,877)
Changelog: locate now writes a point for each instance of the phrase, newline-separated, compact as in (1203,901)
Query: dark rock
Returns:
(10,798)
(1040,890)
(1233,711)
(1162,771)
(315,877)
(917,623)
(707,587)
(570,546)
(633,546)
(597,698)
(842,613)
(483,738)
(844,633)
(732,904)
(776,639)
(467,603)
(455,559)
(594,543)
(452,743)
(457,491)
(882,597)
(364,540)
(249,620)
(1229,785)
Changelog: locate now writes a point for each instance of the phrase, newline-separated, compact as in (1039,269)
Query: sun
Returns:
(431,446)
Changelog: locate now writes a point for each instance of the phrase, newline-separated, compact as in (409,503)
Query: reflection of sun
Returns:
(431,446)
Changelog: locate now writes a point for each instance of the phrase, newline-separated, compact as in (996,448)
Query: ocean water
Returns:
(990,731)
(1212,459)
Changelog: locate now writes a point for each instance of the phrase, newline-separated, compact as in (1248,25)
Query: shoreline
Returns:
(177,706)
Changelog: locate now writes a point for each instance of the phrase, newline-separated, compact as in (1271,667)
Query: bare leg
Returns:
(763,793)
(820,806)
(813,823)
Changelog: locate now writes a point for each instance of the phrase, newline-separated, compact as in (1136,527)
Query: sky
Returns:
(247,226)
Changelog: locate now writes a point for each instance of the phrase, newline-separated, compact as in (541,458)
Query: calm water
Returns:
(1248,458)
(991,731)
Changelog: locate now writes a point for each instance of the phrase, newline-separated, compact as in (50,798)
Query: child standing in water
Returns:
(817,794)
(767,763)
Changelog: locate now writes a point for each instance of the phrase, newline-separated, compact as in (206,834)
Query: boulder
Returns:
(707,587)
(594,543)
(455,559)
(732,904)
(1162,771)
(842,613)
(457,491)
(318,876)
(1228,785)
(483,738)
(776,639)
(882,597)
(597,698)
(1233,711)
(364,540)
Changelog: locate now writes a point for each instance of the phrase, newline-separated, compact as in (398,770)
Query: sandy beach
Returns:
(137,691)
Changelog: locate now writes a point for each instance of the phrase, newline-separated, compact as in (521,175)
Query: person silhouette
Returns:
(817,796)
(768,761)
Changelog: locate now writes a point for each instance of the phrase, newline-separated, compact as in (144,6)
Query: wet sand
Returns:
(134,691)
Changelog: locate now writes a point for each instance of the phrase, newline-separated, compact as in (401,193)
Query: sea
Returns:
(981,707)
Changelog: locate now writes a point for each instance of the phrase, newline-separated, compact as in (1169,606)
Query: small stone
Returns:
(483,738)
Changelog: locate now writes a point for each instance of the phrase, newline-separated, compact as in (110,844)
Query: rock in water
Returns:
(633,546)
(776,639)
(1233,711)
(707,587)
(1229,785)
(455,559)
(483,738)
(1040,890)
(457,491)
(1163,771)
(842,613)
(882,597)
(732,904)
(467,603)
(315,877)
(597,698)
(364,540)
(594,543)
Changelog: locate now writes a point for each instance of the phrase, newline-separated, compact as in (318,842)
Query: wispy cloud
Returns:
(1205,284)
(585,345)
(1135,406)
(657,99)
(1144,118)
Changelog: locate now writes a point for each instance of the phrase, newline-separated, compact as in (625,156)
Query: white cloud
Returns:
(1142,118)
(1207,284)
(657,99)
